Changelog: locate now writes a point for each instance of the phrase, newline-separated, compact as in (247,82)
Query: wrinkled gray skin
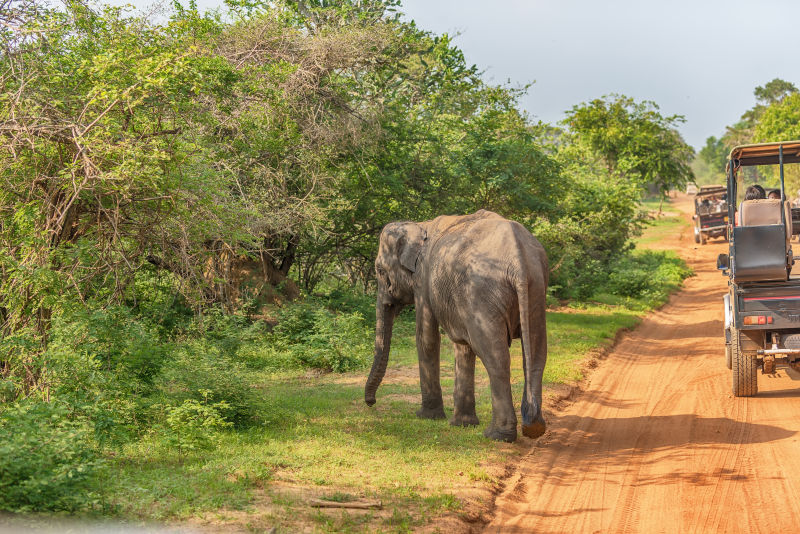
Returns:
(482,279)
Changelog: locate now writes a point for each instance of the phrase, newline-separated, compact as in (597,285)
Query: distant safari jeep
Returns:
(710,213)
(691,189)
(762,306)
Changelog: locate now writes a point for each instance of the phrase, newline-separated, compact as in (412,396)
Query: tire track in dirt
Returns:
(657,442)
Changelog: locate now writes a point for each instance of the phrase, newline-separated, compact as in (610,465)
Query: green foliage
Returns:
(194,425)
(709,164)
(599,216)
(104,364)
(647,275)
(774,91)
(781,121)
(715,154)
(746,129)
(634,140)
(201,371)
(318,338)
(46,459)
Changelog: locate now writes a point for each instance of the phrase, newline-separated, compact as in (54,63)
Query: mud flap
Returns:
(726,302)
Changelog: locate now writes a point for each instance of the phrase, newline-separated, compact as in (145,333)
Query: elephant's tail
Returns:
(533,424)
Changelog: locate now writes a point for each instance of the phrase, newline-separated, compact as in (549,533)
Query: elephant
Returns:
(482,279)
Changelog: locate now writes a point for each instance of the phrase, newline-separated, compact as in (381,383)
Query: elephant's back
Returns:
(492,238)
(483,252)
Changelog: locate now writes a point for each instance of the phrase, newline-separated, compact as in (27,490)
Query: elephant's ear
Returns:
(411,246)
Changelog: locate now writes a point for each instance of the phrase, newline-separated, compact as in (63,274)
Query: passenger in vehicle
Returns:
(754,192)
(775,194)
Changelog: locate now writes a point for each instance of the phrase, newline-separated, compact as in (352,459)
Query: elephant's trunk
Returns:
(384,316)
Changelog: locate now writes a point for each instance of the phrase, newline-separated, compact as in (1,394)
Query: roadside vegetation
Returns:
(189,214)
(774,117)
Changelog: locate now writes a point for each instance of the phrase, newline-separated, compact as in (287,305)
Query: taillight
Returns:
(757,319)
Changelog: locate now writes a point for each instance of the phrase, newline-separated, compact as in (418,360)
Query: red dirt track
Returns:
(657,442)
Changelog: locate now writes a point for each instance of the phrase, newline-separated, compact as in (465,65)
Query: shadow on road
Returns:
(662,432)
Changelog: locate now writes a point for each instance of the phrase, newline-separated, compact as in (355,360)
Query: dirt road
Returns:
(657,443)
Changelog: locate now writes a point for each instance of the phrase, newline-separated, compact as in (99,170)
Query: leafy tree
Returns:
(709,163)
(772,92)
(714,153)
(634,141)
(781,122)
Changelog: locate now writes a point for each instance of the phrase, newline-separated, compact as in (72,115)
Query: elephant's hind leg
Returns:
(496,358)
(464,390)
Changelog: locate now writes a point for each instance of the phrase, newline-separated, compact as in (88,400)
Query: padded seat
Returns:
(762,244)
(765,211)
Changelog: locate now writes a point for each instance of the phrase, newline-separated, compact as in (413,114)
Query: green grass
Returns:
(321,436)
(659,229)
(653,203)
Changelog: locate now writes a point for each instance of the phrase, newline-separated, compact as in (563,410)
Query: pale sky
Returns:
(700,59)
(696,58)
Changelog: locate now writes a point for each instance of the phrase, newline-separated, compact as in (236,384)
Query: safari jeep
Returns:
(710,213)
(762,306)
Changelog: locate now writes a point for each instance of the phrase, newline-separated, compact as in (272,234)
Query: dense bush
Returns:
(310,335)
(200,371)
(104,365)
(646,275)
(46,458)
(194,425)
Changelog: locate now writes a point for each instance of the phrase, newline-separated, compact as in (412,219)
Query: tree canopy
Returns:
(239,155)
(634,140)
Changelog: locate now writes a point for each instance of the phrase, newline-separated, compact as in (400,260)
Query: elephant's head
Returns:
(398,259)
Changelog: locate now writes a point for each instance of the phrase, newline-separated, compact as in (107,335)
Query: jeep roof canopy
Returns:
(710,190)
(765,153)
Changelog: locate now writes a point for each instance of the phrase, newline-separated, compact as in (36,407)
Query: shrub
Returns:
(200,371)
(649,275)
(629,277)
(154,297)
(321,339)
(309,335)
(46,460)
(104,365)
(336,343)
(194,425)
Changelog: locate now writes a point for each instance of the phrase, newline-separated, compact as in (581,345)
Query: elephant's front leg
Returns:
(464,390)
(428,343)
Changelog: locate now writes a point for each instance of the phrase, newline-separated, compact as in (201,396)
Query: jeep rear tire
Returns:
(744,369)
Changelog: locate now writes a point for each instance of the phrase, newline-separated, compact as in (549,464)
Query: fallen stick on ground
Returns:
(363,504)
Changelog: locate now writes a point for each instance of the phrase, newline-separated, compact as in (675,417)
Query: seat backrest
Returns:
(765,211)
(763,246)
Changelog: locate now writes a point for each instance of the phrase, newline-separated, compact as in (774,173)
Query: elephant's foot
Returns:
(431,413)
(464,420)
(499,434)
(534,430)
